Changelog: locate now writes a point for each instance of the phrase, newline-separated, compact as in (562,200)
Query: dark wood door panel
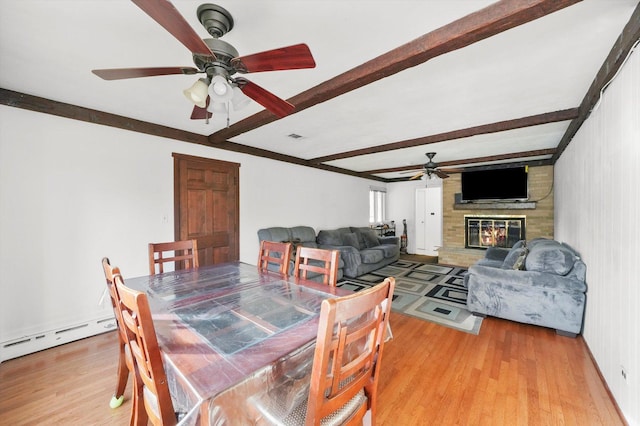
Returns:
(207,206)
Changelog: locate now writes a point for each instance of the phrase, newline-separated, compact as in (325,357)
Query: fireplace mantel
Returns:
(524,205)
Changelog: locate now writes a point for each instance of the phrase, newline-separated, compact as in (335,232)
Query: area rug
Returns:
(430,292)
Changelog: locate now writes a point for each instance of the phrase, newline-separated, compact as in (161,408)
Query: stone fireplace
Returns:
(493,231)
(537,212)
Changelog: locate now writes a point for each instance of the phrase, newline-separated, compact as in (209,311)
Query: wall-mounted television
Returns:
(496,184)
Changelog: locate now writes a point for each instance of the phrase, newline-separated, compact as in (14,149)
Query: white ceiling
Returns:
(49,47)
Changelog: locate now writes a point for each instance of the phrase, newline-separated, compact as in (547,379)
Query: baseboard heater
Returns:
(48,339)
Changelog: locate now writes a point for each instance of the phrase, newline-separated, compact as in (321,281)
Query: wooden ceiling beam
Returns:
(74,112)
(444,164)
(501,126)
(489,21)
(259,152)
(61,109)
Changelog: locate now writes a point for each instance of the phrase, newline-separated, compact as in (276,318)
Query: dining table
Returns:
(237,342)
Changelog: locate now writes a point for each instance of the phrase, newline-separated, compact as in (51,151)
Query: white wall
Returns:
(72,192)
(597,211)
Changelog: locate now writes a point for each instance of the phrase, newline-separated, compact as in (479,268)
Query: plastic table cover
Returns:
(231,336)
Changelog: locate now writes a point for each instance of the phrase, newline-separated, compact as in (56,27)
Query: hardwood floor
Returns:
(419,258)
(510,374)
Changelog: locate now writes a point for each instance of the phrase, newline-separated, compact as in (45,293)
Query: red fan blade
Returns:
(286,58)
(277,106)
(201,113)
(441,175)
(165,14)
(120,73)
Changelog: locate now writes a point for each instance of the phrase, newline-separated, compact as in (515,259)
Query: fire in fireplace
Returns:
(493,231)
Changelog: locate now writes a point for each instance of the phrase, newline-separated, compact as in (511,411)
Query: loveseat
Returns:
(361,249)
(539,282)
(299,236)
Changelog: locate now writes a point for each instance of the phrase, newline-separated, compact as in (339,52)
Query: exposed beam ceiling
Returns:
(481,83)
(472,28)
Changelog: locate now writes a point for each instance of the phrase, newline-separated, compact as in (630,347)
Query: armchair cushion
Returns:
(371,255)
(389,250)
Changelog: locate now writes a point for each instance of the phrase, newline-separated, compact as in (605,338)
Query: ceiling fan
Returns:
(218,60)
(430,168)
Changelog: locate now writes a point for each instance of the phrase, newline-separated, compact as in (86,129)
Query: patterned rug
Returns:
(430,292)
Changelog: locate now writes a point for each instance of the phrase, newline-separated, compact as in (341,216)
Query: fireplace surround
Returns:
(482,231)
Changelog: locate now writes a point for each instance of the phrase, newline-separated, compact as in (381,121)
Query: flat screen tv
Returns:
(495,185)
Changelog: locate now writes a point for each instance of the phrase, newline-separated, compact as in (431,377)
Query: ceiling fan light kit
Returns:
(219,89)
(239,100)
(218,60)
(198,92)
(218,108)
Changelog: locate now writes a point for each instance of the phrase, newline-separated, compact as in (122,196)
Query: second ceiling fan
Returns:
(218,60)
(430,168)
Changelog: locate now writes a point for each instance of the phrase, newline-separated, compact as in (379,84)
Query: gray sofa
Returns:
(299,236)
(539,282)
(361,249)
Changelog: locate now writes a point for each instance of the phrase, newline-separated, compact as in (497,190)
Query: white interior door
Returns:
(428,236)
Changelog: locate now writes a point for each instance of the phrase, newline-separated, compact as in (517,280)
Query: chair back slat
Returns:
(348,354)
(276,253)
(319,261)
(184,254)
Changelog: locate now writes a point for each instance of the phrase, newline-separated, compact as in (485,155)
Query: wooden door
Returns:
(206,206)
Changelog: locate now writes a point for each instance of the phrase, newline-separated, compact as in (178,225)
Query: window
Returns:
(377,205)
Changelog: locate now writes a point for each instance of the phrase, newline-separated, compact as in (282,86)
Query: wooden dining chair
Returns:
(126,364)
(346,364)
(348,355)
(324,262)
(275,253)
(143,344)
(183,253)
(123,367)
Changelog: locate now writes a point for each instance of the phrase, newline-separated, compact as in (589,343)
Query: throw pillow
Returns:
(519,244)
(519,264)
(371,239)
(330,237)
(512,257)
(555,260)
(350,239)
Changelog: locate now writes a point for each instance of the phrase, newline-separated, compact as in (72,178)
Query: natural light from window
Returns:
(377,205)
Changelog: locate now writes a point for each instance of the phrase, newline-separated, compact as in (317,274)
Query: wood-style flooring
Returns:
(510,374)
